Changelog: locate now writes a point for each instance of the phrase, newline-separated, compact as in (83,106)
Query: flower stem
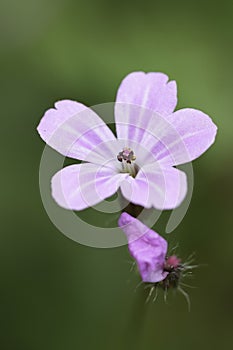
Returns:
(137,320)
(133,209)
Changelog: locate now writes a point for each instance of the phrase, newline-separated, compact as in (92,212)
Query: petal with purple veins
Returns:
(148,90)
(80,186)
(75,131)
(156,186)
(196,132)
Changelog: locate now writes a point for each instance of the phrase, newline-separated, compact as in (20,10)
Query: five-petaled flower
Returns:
(151,140)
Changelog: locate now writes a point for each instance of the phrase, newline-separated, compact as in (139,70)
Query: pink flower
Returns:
(149,250)
(151,140)
(147,247)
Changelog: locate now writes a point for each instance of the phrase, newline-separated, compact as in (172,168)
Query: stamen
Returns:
(127,158)
(127,155)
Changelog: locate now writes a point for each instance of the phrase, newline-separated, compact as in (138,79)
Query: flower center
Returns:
(127,158)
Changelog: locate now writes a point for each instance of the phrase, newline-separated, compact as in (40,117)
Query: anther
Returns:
(127,155)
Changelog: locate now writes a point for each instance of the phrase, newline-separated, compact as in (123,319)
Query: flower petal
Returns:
(75,130)
(146,246)
(156,186)
(195,134)
(80,186)
(149,90)
(146,130)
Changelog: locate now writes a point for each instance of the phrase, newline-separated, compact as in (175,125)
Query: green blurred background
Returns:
(55,293)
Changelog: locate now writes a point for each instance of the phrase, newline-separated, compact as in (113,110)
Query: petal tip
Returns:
(124,219)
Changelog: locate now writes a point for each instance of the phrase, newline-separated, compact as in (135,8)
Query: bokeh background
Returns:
(55,293)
